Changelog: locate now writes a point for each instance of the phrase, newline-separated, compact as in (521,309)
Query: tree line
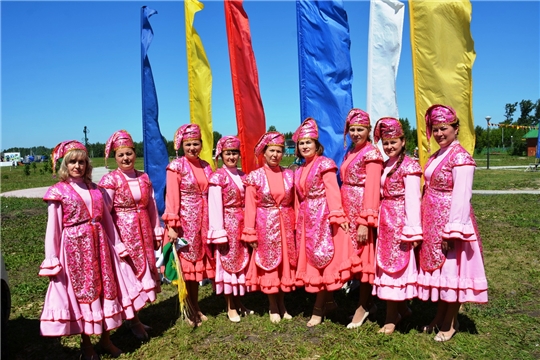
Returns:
(501,137)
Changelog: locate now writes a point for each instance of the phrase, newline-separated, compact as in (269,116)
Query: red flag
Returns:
(250,118)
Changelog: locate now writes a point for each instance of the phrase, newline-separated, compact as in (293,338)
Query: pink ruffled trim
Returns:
(172,220)
(337,217)
(463,232)
(411,233)
(121,250)
(158,233)
(249,235)
(50,267)
(217,236)
(368,217)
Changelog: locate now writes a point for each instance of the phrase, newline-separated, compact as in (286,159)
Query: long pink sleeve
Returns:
(459,224)
(372,195)
(249,233)
(53,236)
(412,231)
(153,214)
(216,232)
(171,215)
(333,197)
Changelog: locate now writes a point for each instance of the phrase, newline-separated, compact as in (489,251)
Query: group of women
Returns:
(272,230)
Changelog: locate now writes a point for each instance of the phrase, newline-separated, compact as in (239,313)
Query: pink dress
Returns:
(137,221)
(399,225)
(226,205)
(323,260)
(360,174)
(269,221)
(91,289)
(456,275)
(186,208)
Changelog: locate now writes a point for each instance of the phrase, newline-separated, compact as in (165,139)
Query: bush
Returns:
(27,169)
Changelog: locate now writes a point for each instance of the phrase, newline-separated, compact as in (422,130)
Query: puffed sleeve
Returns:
(372,197)
(51,265)
(459,225)
(333,197)
(171,216)
(216,233)
(412,231)
(249,234)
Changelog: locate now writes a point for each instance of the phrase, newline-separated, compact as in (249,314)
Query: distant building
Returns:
(532,141)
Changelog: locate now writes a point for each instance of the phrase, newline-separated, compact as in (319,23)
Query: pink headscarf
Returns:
(438,115)
(355,117)
(307,130)
(186,132)
(387,128)
(227,143)
(120,139)
(63,148)
(269,139)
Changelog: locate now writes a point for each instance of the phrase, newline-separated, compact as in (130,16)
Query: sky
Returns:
(68,65)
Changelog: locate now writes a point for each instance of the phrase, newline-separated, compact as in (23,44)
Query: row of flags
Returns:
(514,126)
(442,57)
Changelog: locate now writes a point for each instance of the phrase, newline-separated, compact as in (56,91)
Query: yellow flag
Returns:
(199,81)
(443,55)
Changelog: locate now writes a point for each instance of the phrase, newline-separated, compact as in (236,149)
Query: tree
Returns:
(217,136)
(509,113)
(272,128)
(288,135)
(526,107)
(411,138)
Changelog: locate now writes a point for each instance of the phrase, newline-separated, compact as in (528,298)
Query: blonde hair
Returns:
(63,173)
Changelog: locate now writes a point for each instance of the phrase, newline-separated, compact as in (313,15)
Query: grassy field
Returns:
(508,327)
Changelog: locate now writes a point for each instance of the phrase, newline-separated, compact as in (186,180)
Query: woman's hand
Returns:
(415,244)
(362,234)
(344,226)
(172,234)
(253,245)
(447,245)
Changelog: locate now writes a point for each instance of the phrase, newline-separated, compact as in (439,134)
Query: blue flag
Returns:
(156,158)
(325,70)
(538,145)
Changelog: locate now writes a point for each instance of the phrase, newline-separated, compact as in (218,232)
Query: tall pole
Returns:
(487,119)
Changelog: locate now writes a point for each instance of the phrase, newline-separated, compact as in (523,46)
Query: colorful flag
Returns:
(250,119)
(199,81)
(156,158)
(443,55)
(384,50)
(325,70)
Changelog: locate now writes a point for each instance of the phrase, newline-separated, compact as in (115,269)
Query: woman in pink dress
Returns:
(186,213)
(360,174)
(136,217)
(400,227)
(321,225)
(451,262)
(269,226)
(226,210)
(91,291)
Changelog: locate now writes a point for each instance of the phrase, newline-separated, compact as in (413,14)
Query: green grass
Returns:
(508,327)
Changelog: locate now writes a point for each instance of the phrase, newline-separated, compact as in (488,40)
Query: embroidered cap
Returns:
(120,139)
(438,115)
(387,128)
(62,149)
(186,132)
(227,143)
(270,138)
